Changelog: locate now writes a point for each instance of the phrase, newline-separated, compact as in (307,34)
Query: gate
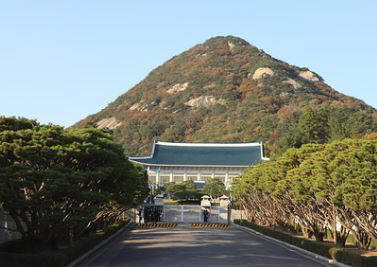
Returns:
(193,214)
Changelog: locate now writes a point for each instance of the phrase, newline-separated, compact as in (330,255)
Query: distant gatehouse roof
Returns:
(203,154)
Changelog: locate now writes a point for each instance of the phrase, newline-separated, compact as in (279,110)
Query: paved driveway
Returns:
(186,246)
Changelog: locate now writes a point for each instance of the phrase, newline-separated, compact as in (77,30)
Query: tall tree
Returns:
(214,187)
(313,126)
(55,181)
(316,186)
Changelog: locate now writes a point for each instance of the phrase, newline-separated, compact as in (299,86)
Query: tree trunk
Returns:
(334,231)
(71,236)
(318,235)
(306,232)
(363,240)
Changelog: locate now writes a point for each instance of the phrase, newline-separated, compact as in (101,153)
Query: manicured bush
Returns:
(335,181)
(351,258)
(310,245)
(56,258)
(33,260)
(339,254)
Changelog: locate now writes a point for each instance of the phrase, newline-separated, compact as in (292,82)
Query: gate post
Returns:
(181,213)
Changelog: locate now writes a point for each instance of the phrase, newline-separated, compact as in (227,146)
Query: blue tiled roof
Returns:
(203,154)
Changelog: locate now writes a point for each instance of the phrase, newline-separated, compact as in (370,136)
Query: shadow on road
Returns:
(184,246)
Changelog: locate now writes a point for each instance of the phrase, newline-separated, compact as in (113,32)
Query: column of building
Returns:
(226,177)
(171,177)
(184,174)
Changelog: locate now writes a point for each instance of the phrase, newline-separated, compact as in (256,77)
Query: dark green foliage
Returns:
(13,254)
(327,250)
(351,258)
(310,245)
(214,188)
(14,124)
(184,191)
(316,186)
(57,184)
(313,127)
(360,123)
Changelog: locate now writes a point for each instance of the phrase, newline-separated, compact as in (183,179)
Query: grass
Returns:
(170,201)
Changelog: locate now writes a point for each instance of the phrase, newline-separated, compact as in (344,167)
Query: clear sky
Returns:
(63,60)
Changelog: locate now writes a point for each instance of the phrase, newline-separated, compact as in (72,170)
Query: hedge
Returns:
(353,259)
(339,254)
(59,258)
(311,245)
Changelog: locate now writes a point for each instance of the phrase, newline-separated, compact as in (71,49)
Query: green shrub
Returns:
(109,230)
(40,260)
(339,254)
(353,259)
(310,245)
(57,258)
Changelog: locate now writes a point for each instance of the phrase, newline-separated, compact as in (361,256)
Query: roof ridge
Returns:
(209,144)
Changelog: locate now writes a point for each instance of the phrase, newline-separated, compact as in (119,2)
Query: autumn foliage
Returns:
(245,109)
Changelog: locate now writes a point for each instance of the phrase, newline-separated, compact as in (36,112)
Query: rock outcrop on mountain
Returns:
(226,90)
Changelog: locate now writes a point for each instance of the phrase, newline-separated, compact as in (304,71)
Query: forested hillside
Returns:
(226,90)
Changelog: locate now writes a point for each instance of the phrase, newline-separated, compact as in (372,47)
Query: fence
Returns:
(193,213)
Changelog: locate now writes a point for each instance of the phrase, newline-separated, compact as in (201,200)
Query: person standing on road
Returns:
(140,214)
(205,215)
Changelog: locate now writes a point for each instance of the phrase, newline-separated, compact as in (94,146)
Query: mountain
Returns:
(226,90)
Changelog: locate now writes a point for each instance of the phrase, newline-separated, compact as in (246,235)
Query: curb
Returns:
(83,257)
(307,254)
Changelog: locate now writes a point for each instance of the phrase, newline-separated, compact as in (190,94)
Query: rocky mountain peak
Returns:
(223,90)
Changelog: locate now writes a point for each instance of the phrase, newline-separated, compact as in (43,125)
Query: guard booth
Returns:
(206,202)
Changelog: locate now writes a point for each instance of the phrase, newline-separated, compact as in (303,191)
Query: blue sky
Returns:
(63,60)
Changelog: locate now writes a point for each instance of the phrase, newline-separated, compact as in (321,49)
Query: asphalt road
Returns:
(186,246)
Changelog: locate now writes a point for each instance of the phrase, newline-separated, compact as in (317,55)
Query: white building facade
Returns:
(179,162)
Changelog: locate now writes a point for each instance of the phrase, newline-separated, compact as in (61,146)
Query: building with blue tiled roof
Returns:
(178,162)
